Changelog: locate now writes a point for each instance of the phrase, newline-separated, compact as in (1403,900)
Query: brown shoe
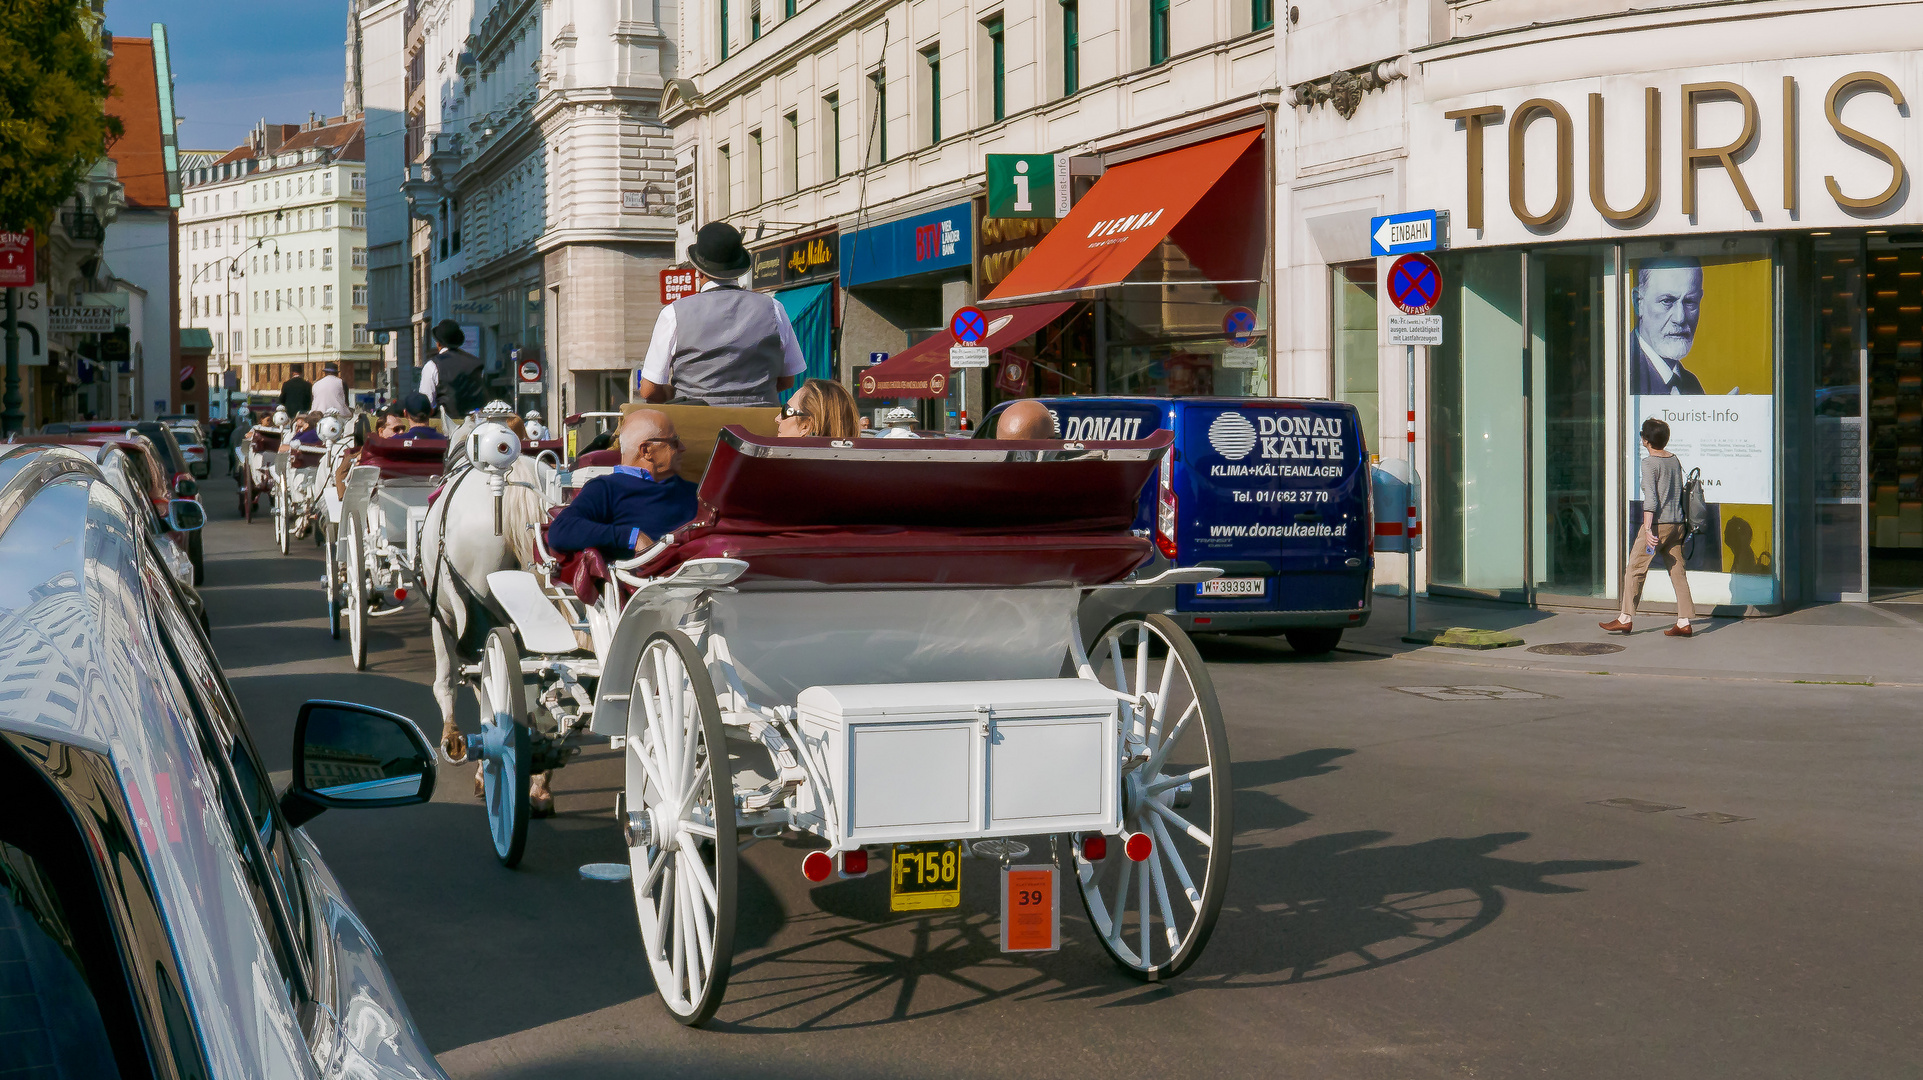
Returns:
(1617,626)
(1677,631)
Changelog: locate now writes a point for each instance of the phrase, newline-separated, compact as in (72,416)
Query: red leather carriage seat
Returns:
(937,512)
(598,459)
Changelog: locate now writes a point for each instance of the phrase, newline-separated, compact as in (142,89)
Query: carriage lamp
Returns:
(1138,846)
(854,863)
(817,865)
(1095,848)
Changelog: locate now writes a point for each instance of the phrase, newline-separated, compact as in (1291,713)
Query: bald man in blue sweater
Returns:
(625,512)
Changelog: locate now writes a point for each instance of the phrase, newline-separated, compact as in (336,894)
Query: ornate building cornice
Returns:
(1344,90)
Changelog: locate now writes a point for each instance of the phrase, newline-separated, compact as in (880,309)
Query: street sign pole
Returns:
(12,419)
(1409,511)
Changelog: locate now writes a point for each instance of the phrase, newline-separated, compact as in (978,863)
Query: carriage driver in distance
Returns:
(644,498)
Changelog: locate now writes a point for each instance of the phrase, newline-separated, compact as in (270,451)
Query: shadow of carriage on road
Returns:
(1320,908)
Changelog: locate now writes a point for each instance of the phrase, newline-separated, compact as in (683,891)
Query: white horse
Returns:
(459,548)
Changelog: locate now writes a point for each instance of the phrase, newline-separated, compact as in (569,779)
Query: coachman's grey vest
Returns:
(727,348)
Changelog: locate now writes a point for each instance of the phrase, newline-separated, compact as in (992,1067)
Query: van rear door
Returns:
(1275,489)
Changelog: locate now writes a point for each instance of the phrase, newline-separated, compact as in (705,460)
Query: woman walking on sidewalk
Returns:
(1662,532)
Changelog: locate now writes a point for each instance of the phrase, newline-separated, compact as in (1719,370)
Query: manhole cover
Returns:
(1471,693)
(1576,648)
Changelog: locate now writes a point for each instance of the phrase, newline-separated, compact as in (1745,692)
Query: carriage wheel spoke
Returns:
(1170,929)
(1146,919)
(1121,903)
(1160,755)
(653,875)
(1164,843)
(698,870)
(640,754)
(1161,699)
(1167,782)
(1182,823)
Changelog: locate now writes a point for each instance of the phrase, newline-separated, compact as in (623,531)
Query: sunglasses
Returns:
(789,412)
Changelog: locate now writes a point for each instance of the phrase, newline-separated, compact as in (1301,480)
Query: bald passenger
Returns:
(1026,419)
(643,499)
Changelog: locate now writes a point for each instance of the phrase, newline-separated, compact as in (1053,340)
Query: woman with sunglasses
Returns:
(820,410)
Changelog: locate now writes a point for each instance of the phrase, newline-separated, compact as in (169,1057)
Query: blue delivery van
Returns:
(1274,492)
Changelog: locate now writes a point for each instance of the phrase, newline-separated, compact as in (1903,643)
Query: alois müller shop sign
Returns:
(1768,146)
(797,262)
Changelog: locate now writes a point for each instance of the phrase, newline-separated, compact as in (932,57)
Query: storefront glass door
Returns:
(1478,413)
(1838,426)
(1570,331)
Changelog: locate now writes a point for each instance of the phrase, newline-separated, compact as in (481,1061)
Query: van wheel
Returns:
(1313,642)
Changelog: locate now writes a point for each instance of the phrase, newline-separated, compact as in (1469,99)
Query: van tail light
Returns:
(1165,509)
(854,863)
(817,865)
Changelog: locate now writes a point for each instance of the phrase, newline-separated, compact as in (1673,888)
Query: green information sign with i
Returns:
(1027,185)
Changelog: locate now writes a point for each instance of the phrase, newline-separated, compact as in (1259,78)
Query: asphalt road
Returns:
(1422,887)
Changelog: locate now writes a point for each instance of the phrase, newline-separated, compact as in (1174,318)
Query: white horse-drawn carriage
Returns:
(892,648)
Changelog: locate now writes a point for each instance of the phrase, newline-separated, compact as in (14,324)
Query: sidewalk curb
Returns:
(1486,660)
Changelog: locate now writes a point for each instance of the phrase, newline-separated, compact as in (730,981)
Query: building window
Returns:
(327,296)
(1262,17)
(831,134)
(791,153)
(358,181)
(1352,334)
(327,334)
(723,183)
(1071,47)
(753,169)
(327,217)
(361,336)
(357,219)
(360,295)
(236,345)
(878,119)
(997,68)
(327,258)
(787,9)
(1157,32)
(754,20)
(724,29)
(256,338)
(930,94)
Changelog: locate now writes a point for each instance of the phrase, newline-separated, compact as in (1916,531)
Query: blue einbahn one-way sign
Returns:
(1415,230)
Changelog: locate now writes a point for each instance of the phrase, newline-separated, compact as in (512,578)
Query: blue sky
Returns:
(238,61)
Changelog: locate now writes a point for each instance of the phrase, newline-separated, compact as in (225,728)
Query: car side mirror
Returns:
(186,515)
(185,488)
(349,756)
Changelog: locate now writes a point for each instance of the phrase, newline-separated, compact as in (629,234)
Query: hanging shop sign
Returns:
(677,283)
(1027,185)
(924,243)
(72,319)
(16,259)
(798,262)
(1006,241)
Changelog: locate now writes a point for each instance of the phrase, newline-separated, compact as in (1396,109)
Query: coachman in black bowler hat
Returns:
(724,345)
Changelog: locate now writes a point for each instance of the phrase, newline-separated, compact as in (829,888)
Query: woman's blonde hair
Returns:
(830,410)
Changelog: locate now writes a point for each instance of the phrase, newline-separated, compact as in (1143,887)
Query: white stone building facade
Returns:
(840,115)
(1605,166)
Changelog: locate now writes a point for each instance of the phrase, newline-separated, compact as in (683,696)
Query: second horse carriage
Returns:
(907,658)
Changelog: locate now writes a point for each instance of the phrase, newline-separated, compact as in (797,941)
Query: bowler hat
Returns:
(717,251)
(449,333)
(331,368)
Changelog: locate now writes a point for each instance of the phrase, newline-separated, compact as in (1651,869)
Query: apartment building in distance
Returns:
(274,249)
(849,140)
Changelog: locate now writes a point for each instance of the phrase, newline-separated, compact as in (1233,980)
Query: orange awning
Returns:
(921,371)
(1121,219)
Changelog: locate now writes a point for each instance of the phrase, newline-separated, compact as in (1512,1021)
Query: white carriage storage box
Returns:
(933,761)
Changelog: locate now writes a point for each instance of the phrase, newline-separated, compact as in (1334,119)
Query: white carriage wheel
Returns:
(679,797)
(283,532)
(332,555)
(506,754)
(1155,916)
(356,559)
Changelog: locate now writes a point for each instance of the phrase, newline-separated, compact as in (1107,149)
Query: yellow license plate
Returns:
(925,876)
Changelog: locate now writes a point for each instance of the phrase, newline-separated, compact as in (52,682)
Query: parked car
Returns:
(180,474)
(193,447)
(163,911)
(1274,492)
(131,466)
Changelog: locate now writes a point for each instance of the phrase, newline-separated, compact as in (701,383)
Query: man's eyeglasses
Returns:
(648,445)
(789,412)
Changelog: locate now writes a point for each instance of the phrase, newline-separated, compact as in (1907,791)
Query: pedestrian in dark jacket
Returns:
(645,498)
(296,395)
